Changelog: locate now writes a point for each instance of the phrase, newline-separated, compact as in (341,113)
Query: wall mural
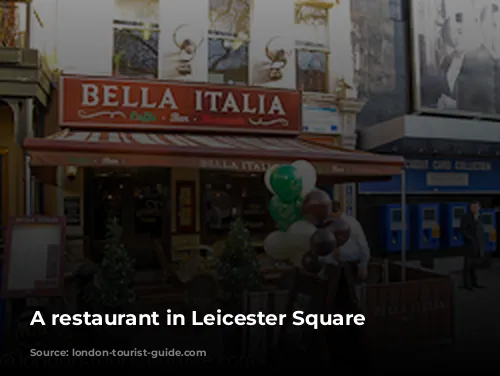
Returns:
(312,48)
(136,34)
(380,75)
(229,38)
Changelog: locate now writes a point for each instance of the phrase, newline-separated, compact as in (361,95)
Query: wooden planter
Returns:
(417,311)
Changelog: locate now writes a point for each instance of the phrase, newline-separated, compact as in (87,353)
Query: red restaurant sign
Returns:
(90,102)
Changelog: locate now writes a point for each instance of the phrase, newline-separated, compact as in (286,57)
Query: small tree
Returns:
(237,268)
(112,289)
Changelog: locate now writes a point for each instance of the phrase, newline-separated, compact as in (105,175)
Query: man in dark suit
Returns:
(473,233)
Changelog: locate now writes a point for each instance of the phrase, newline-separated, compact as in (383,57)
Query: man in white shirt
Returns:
(356,249)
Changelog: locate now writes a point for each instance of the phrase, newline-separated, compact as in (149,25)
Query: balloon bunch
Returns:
(304,216)
(289,184)
(318,234)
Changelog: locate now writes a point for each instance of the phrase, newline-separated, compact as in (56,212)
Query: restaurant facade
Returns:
(175,162)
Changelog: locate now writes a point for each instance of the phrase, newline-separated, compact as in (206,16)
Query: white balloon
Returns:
(299,238)
(307,172)
(276,245)
(267,177)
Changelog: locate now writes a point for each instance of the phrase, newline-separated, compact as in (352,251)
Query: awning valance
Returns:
(218,152)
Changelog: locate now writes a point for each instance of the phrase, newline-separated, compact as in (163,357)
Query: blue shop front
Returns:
(438,192)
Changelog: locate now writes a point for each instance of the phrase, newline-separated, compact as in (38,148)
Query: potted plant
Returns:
(111,290)
(238,273)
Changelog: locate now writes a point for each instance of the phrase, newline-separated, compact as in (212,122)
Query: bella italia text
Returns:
(207,101)
(298,318)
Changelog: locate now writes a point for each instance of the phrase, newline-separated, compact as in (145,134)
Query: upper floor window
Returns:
(136,33)
(10,34)
(228,41)
(312,48)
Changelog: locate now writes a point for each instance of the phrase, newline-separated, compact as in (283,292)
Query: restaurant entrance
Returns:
(140,200)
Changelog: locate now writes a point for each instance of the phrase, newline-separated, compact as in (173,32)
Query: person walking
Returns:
(473,234)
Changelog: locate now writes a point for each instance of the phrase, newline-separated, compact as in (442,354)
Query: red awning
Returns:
(217,152)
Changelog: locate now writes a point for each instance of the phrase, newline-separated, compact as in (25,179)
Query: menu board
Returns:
(34,254)
(186,206)
(72,210)
(255,212)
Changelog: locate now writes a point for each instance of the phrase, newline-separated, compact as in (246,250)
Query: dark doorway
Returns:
(140,200)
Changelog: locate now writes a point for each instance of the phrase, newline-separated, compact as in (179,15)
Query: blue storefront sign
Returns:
(442,176)
(320,115)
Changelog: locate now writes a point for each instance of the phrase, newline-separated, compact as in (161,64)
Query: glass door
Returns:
(150,222)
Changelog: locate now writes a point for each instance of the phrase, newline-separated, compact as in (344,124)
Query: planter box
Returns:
(415,312)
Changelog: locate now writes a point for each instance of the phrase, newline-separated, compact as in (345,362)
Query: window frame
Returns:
(303,45)
(237,182)
(135,25)
(214,34)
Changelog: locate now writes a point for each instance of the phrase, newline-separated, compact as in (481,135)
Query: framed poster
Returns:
(185,193)
(33,257)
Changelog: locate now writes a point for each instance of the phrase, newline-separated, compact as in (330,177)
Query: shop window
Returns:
(136,34)
(312,48)
(228,43)
(226,197)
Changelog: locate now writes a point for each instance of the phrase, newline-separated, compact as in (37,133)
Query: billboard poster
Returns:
(457,56)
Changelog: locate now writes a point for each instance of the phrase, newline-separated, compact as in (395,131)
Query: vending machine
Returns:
(451,216)
(426,230)
(392,227)
(489,221)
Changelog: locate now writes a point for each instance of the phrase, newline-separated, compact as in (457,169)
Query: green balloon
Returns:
(284,213)
(286,183)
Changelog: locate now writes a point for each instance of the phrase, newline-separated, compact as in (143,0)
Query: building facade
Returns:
(277,45)
(442,86)
(25,87)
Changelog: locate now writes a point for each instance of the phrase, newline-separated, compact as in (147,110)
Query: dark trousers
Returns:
(469,271)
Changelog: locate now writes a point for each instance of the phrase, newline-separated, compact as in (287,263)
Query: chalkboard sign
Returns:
(309,294)
(72,210)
